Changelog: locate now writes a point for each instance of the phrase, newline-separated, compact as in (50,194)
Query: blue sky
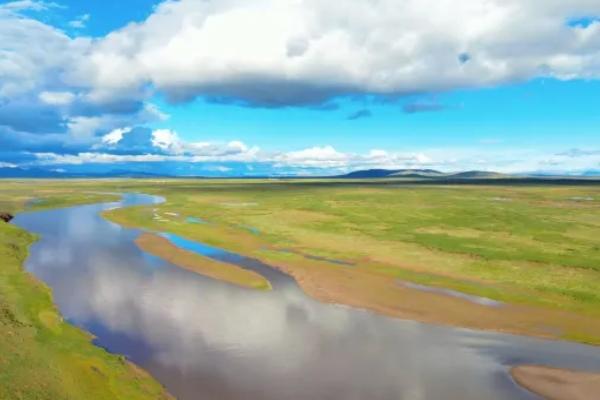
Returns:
(227,87)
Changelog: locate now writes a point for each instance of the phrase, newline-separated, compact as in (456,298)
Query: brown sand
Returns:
(558,384)
(230,273)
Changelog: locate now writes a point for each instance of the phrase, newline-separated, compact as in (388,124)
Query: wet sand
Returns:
(558,384)
(161,247)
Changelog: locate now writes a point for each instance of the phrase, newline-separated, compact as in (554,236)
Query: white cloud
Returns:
(34,55)
(80,22)
(89,127)
(218,168)
(277,52)
(31,5)
(323,157)
(84,127)
(95,158)
(167,140)
(115,136)
(7,165)
(57,98)
(39,92)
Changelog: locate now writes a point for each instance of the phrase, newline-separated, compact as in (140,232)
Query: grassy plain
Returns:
(535,248)
(41,356)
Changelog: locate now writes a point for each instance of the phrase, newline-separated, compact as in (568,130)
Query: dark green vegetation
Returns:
(42,357)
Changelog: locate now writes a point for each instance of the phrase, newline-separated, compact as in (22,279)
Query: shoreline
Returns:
(557,384)
(36,341)
(393,300)
(328,284)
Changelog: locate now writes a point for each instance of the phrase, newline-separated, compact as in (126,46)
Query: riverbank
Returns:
(161,247)
(558,384)
(42,356)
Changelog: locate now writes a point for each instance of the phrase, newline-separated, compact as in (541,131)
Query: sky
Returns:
(299,87)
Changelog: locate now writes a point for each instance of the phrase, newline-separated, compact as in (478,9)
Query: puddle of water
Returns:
(33,202)
(484,301)
(251,229)
(581,198)
(196,220)
(318,258)
(329,260)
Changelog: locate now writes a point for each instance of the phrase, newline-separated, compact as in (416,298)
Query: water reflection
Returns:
(205,339)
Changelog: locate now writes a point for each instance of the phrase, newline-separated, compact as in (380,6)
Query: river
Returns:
(204,339)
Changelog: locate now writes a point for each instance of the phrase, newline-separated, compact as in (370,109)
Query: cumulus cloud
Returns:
(274,52)
(115,136)
(290,52)
(325,156)
(39,95)
(57,98)
(167,140)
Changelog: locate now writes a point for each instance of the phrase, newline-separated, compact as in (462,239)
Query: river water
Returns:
(204,339)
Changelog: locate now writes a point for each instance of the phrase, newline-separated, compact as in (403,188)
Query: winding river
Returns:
(204,339)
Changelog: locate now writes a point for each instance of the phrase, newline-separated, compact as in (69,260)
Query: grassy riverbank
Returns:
(535,248)
(42,357)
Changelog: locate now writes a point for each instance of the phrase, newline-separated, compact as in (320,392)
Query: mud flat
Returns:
(558,384)
(163,248)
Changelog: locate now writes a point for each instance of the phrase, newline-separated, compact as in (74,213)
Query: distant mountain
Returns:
(477,175)
(28,173)
(421,174)
(387,173)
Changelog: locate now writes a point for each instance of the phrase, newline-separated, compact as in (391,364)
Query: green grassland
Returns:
(42,357)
